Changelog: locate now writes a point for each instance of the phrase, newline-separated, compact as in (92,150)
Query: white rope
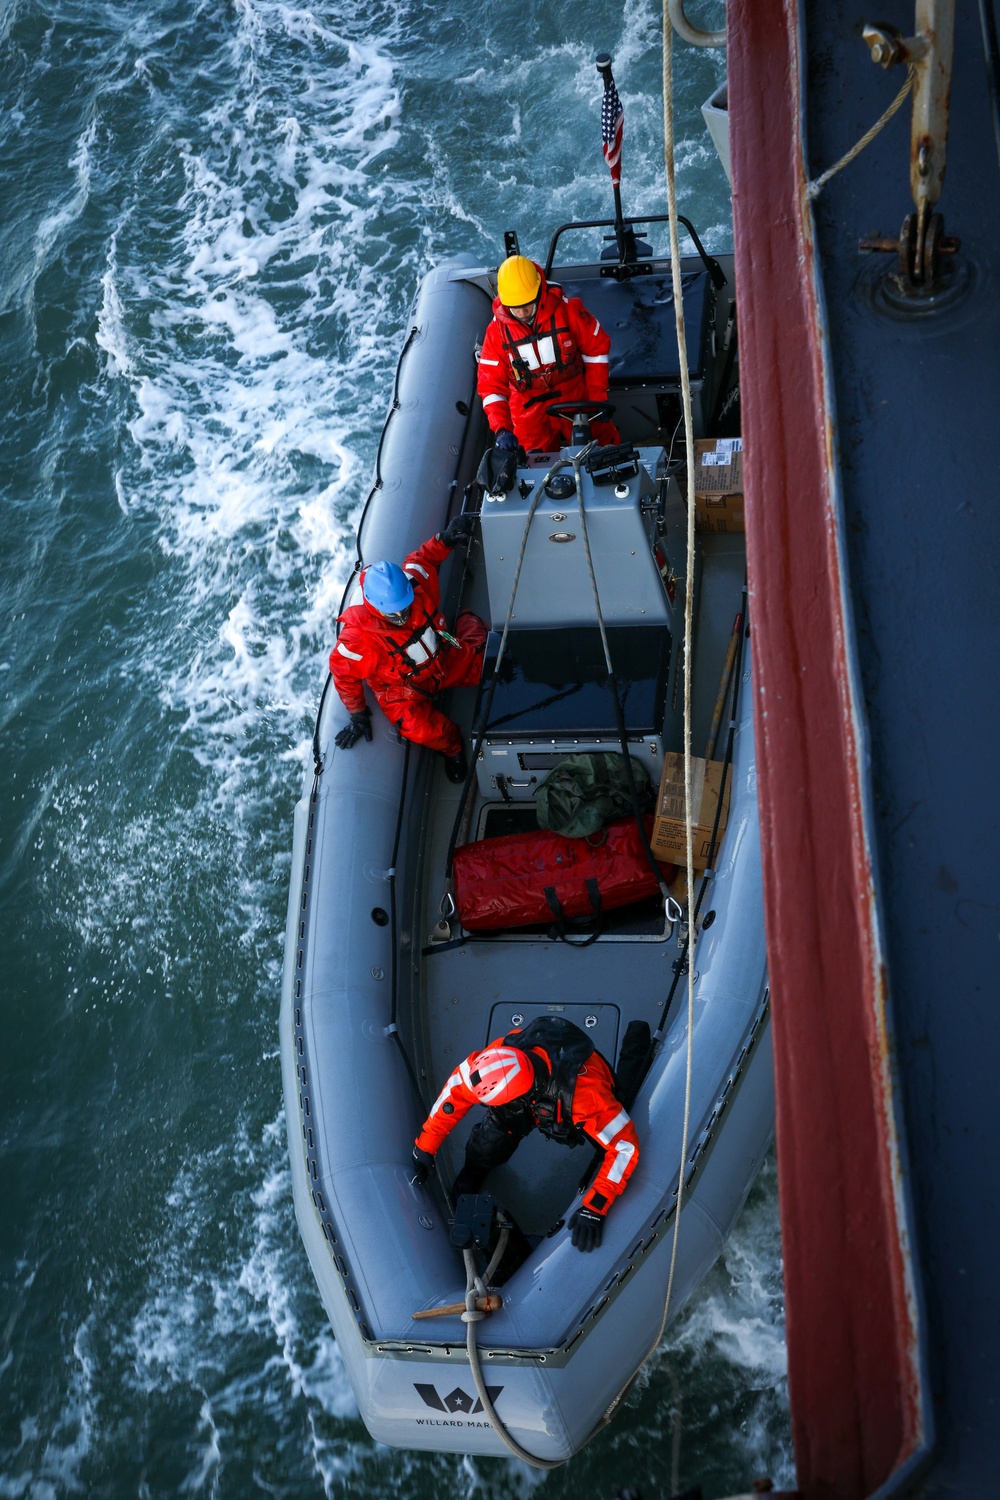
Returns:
(675,267)
(815,187)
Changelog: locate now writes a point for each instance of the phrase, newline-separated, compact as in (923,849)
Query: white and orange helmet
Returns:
(499,1075)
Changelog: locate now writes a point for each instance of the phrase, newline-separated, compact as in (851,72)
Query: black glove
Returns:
(459,530)
(588,1229)
(505,440)
(423,1162)
(360,727)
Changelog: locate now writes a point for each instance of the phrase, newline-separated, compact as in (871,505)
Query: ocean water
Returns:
(214,221)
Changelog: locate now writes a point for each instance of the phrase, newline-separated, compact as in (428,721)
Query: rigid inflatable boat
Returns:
(576,555)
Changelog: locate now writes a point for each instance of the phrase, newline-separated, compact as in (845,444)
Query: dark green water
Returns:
(213,222)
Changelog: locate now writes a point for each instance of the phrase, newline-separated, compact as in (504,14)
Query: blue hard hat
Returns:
(387,588)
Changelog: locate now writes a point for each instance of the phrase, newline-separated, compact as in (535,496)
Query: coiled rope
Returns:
(814,188)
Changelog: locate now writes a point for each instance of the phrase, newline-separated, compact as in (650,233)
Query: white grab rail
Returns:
(689,33)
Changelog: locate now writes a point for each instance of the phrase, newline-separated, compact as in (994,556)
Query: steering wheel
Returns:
(580,414)
(588,411)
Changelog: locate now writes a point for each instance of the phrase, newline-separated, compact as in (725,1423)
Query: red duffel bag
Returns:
(526,878)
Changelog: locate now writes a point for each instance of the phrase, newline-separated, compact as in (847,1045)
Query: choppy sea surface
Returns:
(214,220)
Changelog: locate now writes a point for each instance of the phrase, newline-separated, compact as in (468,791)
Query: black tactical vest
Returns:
(409,670)
(569,1048)
(522,376)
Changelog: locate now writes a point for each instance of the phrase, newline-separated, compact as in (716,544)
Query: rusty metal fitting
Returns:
(884,44)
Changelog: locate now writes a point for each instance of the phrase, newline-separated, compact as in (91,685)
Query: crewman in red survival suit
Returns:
(550,1076)
(541,346)
(397,642)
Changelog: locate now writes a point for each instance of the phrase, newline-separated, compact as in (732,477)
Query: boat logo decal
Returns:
(457,1400)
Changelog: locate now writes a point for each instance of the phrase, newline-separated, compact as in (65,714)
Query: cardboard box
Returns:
(718,466)
(668,841)
(719,513)
(718,484)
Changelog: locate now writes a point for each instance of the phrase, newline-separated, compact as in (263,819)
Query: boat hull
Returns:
(574,1329)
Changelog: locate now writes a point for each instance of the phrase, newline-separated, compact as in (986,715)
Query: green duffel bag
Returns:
(585,791)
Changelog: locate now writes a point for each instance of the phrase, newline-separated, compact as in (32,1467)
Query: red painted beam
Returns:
(851,1322)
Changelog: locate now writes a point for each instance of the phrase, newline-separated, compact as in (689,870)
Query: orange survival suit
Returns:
(562,355)
(406,665)
(573,1101)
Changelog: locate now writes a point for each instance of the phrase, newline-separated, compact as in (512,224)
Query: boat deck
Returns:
(473,993)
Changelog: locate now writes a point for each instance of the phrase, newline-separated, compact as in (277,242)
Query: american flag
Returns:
(612,121)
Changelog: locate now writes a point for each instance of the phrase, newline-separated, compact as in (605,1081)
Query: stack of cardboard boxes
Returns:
(718,484)
(668,838)
(718,490)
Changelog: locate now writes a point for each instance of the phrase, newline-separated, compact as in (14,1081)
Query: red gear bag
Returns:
(508,881)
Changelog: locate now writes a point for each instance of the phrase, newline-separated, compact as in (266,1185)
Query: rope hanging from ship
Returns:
(675,267)
(475,1285)
(681,962)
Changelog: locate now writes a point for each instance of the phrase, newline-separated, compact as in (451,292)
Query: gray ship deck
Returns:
(917,404)
(876,513)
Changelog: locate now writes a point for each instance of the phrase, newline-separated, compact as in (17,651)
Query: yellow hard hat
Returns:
(518,280)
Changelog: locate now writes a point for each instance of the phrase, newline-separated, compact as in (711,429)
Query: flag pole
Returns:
(604,68)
